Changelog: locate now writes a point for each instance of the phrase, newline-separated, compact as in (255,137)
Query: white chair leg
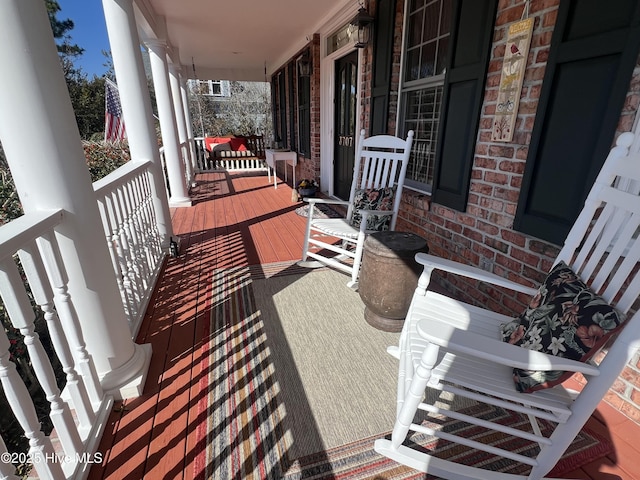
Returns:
(307,233)
(357,260)
(414,395)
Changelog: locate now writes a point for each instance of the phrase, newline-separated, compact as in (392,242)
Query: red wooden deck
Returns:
(236,220)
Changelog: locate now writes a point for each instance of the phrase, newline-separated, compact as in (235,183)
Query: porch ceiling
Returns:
(234,40)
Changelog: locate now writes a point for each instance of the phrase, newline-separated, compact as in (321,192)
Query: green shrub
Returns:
(104,157)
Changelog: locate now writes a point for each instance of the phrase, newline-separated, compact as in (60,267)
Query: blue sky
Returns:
(89,32)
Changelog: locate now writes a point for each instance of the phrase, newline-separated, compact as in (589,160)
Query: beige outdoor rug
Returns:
(338,383)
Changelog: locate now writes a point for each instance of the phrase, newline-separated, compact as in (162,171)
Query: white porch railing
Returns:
(126,206)
(33,284)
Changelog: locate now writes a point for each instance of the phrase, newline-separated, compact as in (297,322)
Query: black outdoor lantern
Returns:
(361,21)
(305,65)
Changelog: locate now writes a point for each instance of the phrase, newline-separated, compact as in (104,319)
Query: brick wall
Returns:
(307,167)
(483,235)
(310,167)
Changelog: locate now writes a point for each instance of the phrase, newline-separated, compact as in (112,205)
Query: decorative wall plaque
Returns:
(513,68)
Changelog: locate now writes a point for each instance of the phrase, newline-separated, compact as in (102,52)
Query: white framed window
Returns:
(213,88)
(426,48)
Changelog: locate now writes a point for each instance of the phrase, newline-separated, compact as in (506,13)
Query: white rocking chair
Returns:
(450,346)
(378,177)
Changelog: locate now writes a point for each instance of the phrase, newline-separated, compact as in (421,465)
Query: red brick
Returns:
(501,220)
(472,234)
(507,194)
(497,245)
(492,204)
(619,387)
(525,257)
(513,237)
(630,375)
(497,178)
(631,411)
(509,263)
(488,228)
(614,400)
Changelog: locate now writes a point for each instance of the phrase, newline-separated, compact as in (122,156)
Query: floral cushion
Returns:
(565,318)
(373,199)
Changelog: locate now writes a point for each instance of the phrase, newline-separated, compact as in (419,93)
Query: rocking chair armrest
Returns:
(431,261)
(327,201)
(479,346)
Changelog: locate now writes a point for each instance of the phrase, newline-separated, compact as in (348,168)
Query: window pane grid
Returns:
(427,39)
(423,116)
(425,58)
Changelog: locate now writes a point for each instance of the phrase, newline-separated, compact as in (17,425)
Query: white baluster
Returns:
(152,223)
(43,296)
(7,470)
(128,205)
(120,247)
(22,317)
(111,243)
(143,202)
(40,448)
(125,236)
(58,277)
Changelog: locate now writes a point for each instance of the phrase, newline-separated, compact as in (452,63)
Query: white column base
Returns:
(128,380)
(180,202)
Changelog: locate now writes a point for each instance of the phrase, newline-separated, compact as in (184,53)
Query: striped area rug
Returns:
(359,461)
(248,430)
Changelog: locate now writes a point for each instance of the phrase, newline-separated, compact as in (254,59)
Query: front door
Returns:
(345,124)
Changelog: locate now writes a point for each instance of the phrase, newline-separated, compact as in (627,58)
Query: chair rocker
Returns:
(474,354)
(378,177)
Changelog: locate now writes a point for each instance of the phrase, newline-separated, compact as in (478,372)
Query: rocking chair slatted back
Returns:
(381,162)
(603,247)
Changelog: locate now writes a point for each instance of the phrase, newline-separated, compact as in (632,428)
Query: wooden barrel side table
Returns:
(388,277)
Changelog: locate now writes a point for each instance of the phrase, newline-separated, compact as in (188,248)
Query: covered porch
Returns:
(239,220)
(140,410)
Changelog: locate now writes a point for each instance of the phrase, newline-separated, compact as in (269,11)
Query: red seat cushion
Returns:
(238,144)
(210,141)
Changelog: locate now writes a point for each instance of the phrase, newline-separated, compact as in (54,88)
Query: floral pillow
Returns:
(373,199)
(565,318)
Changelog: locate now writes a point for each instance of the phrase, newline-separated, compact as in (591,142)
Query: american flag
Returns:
(113,122)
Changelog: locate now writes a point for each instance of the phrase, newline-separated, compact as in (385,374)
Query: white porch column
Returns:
(166,112)
(34,101)
(184,93)
(181,118)
(136,102)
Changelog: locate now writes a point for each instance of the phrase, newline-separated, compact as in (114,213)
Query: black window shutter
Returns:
(471,37)
(593,52)
(292,106)
(282,110)
(304,115)
(382,63)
